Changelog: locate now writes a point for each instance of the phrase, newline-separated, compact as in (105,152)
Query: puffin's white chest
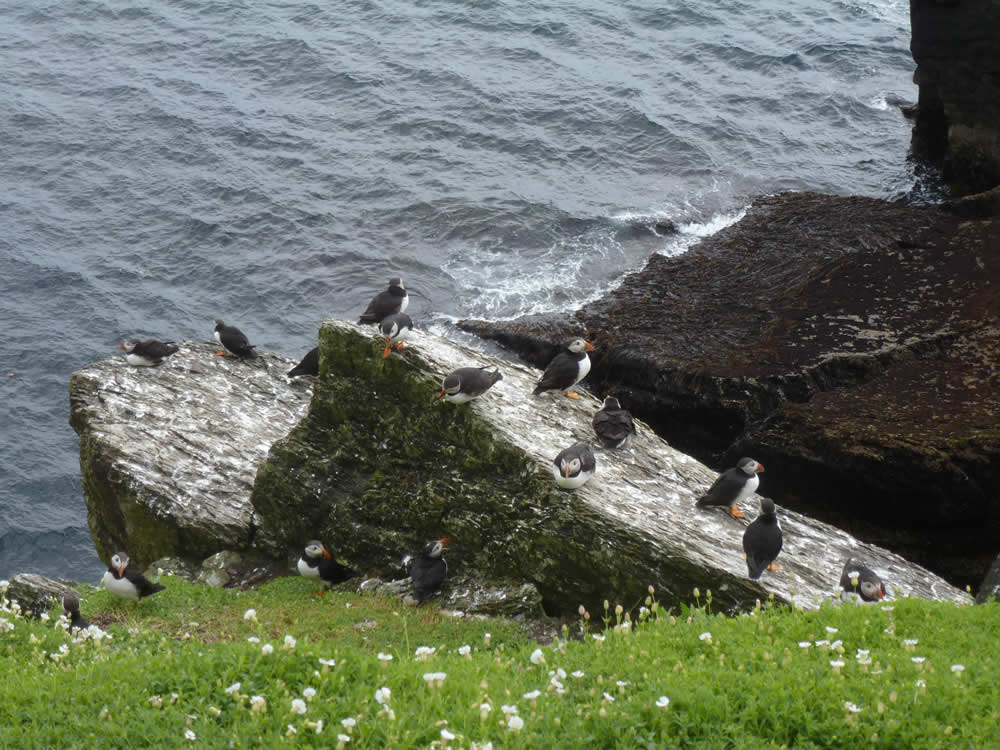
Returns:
(138,361)
(120,587)
(218,337)
(458,398)
(583,368)
(306,570)
(404,303)
(749,488)
(401,334)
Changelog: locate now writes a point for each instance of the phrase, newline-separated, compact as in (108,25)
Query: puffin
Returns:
(574,466)
(388,302)
(733,486)
(308,366)
(148,353)
(71,608)
(466,383)
(613,425)
(395,328)
(566,369)
(429,569)
(233,340)
(126,583)
(762,540)
(857,579)
(317,563)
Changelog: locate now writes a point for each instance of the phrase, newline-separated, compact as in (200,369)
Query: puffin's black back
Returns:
(308,366)
(762,540)
(333,572)
(143,585)
(427,574)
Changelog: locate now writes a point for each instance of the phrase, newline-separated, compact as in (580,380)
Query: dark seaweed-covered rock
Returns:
(850,344)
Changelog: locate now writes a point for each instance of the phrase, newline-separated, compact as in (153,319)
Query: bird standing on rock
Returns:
(566,369)
(613,425)
(733,486)
(148,353)
(126,583)
(317,563)
(858,578)
(388,302)
(466,383)
(233,340)
(762,540)
(396,328)
(308,366)
(71,608)
(574,466)
(429,570)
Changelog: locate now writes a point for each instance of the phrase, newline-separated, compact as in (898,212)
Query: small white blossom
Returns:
(267,649)
(537,657)
(918,659)
(486,638)
(830,630)
(622,683)
(446,735)
(662,702)
(289,642)
(958,668)
(425,652)
(291,731)
(253,639)
(804,644)
(515,723)
(258,704)
(852,708)
(464,650)
(822,644)
(382,695)
(509,710)
(156,701)
(343,739)
(234,688)
(706,636)
(298,706)
(349,723)
(609,698)
(388,657)
(532,695)
(250,614)
(328,662)
(576,673)
(309,693)
(189,735)
(598,637)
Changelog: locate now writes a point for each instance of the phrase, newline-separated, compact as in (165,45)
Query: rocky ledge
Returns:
(376,464)
(851,344)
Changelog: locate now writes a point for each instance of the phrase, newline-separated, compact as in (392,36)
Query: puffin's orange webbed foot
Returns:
(773,566)
(735,512)
(570,394)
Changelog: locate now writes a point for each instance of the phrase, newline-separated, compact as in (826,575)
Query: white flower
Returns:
(836,664)
(706,636)
(253,639)
(515,723)
(836,645)
(298,706)
(234,688)
(854,576)
(599,638)
(446,735)
(958,668)
(863,653)
(189,735)
(425,652)
(822,644)
(464,650)
(804,644)
(921,684)
(830,630)
(576,673)
(250,614)
(388,657)
(888,608)
(509,710)
(622,683)
(560,673)
(267,649)
(328,662)
(156,701)
(343,738)
(662,702)
(486,638)
(918,659)
(309,693)
(289,642)
(537,657)
(258,704)
(532,695)
(382,695)
(44,617)
(317,725)
(292,731)
(434,678)
(852,708)
(349,723)
(909,643)
(609,698)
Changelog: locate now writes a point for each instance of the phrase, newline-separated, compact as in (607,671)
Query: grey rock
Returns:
(989,590)
(168,454)
(36,594)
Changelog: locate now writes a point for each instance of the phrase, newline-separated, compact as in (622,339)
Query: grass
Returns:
(181,662)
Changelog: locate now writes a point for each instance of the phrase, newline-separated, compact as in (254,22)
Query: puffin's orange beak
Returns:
(445,539)
(760,468)
(590,347)
(441,395)
(566,471)
(121,570)
(122,346)
(326,553)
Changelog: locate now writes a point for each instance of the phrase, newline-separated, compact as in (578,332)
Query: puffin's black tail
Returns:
(702,502)
(756,567)
(496,376)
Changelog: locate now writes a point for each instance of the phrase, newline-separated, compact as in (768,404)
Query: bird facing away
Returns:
(466,383)
(429,569)
(233,340)
(395,328)
(574,466)
(308,366)
(148,353)
(858,578)
(126,583)
(762,540)
(388,302)
(71,608)
(317,563)
(733,486)
(566,369)
(613,425)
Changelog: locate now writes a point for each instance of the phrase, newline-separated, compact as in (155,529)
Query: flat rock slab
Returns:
(634,524)
(168,454)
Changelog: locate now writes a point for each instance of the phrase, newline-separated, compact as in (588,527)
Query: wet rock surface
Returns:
(380,465)
(851,344)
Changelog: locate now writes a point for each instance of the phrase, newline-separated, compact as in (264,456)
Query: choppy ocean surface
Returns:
(166,163)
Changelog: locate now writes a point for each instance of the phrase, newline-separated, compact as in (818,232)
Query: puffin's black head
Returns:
(219,325)
(398,282)
(610,402)
(749,467)
(315,550)
(129,345)
(570,466)
(119,561)
(435,548)
(71,602)
(450,385)
(579,345)
(767,507)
